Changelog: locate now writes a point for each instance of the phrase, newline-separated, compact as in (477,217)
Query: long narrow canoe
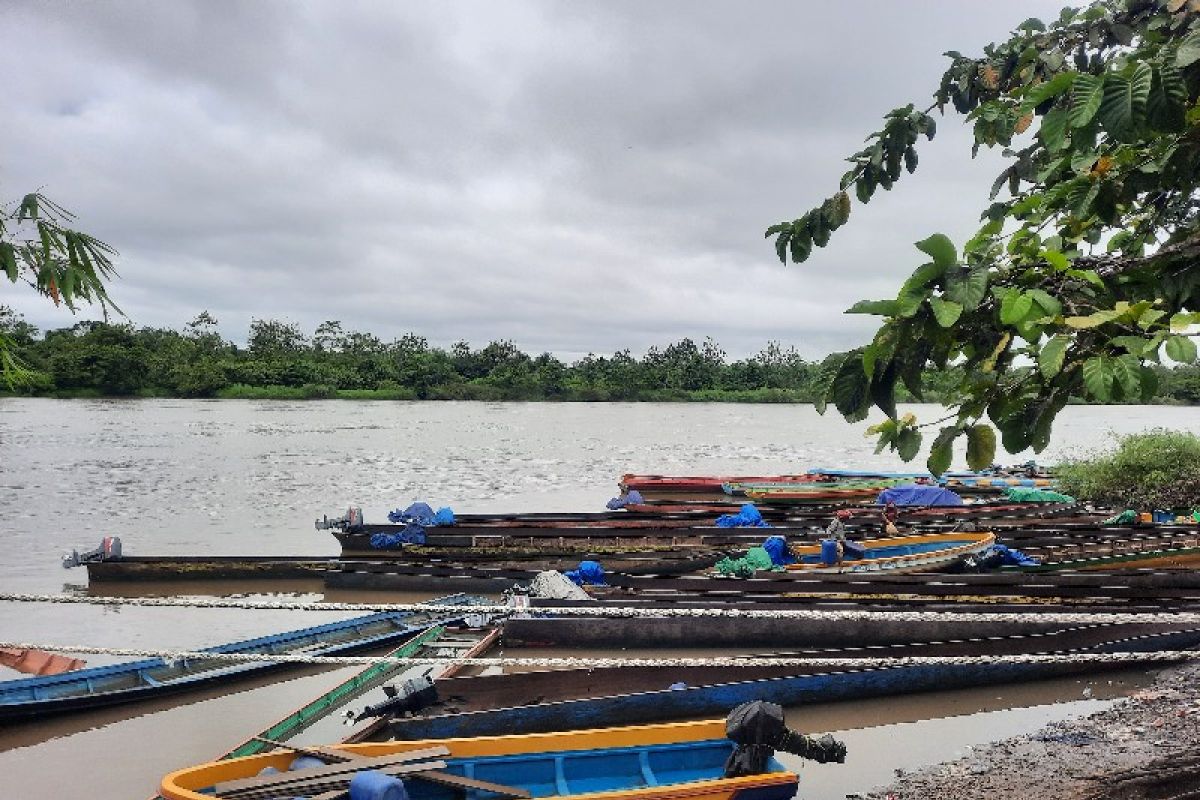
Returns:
(133,681)
(680,761)
(801,687)
(922,553)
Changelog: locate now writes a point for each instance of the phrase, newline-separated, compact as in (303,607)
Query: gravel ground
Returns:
(1144,747)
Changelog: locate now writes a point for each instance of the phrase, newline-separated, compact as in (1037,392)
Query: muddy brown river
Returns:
(177,477)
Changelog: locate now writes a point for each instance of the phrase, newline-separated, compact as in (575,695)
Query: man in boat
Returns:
(891,515)
(837,531)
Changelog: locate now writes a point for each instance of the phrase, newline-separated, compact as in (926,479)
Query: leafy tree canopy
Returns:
(1085,266)
(40,247)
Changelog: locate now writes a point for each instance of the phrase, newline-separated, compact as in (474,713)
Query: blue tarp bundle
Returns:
(422,514)
(590,573)
(748,517)
(777,549)
(1011,557)
(915,494)
(617,503)
(412,534)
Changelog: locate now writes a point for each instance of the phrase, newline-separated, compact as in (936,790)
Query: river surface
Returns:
(246,477)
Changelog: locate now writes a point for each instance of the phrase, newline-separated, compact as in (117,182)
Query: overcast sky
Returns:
(574,176)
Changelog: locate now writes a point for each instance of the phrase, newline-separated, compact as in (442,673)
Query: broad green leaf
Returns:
(922,276)
(1086,94)
(942,451)
(967,287)
(1044,91)
(1094,320)
(8,260)
(1182,321)
(946,312)
(1149,384)
(941,250)
(1123,108)
(1098,377)
(850,389)
(908,443)
(1189,50)
(1166,108)
(1046,301)
(1053,131)
(1127,371)
(1050,359)
(1147,316)
(1056,259)
(1181,349)
(981,446)
(883,308)
(1015,308)
(1136,345)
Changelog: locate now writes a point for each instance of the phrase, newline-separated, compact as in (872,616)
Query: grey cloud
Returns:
(574,176)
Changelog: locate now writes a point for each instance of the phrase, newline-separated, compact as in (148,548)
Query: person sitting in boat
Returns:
(837,531)
(891,515)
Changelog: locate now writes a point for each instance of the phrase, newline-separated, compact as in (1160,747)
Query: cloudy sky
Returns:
(574,176)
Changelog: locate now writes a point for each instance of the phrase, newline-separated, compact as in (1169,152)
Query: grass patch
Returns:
(1159,469)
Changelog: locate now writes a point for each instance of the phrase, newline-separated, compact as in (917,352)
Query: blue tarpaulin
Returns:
(412,534)
(915,494)
(422,514)
(617,503)
(748,517)
(590,573)
(1011,557)
(777,549)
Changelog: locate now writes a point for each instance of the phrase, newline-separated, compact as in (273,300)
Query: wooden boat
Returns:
(764,488)
(38,662)
(553,702)
(922,553)
(677,761)
(133,681)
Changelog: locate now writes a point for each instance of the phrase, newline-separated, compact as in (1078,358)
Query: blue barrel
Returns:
(373,785)
(829,552)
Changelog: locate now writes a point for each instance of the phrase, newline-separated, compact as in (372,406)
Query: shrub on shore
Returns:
(1159,469)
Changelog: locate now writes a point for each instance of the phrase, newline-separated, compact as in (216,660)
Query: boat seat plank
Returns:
(317,784)
(458,782)
(342,768)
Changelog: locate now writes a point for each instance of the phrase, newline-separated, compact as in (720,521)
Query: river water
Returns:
(245,477)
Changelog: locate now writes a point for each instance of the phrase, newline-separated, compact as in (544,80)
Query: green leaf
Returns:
(1086,94)
(1050,359)
(1044,91)
(1181,349)
(942,451)
(1056,259)
(1098,377)
(1128,373)
(1136,345)
(1182,321)
(1015,307)
(967,287)
(1053,131)
(908,443)
(941,250)
(1123,108)
(1094,320)
(1167,105)
(8,260)
(981,446)
(850,390)
(946,312)
(883,308)
(1189,50)
(1047,302)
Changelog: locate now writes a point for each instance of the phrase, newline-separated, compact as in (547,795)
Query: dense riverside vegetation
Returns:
(1157,469)
(279,361)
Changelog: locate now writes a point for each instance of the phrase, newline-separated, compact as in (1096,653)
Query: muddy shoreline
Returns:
(1145,746)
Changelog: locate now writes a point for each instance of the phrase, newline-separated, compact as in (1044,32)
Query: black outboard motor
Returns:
(411,695)
(350,522)
(758,729)
(109,550)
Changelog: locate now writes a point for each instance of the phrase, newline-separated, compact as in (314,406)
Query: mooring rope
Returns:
(183,656)
(1052,617)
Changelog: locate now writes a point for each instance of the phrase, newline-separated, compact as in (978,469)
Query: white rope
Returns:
(176,656)
(1172,617)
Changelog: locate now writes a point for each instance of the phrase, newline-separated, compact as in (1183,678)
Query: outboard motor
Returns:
(351,521)
(109,550)
(758,729)
(412,694)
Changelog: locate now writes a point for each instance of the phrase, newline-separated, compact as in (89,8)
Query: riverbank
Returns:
(1146,746)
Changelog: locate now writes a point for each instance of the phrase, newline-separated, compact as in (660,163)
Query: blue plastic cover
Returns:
(422,514)
(590,573)
(1012,557)
(777,549)
(748,517)
(915,494)
(617,503)
(412,534)
(444,517)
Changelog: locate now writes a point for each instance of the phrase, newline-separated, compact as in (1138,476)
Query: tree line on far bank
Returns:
(280,361)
